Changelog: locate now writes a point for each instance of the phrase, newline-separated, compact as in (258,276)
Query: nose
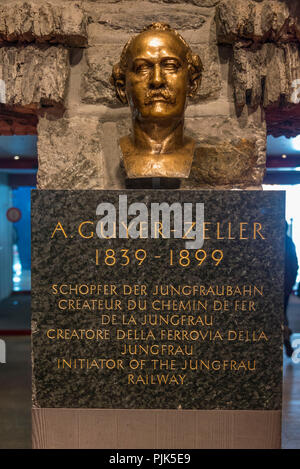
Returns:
(157,79)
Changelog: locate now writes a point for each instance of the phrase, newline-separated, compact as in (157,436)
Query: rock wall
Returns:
(56,59)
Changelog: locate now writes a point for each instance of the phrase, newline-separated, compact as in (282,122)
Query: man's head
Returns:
(156,72)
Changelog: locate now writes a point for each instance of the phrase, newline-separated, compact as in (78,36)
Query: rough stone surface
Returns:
(229,153)
(265,75)
(34,76)
(283,68)
(211,82)
(270,20)
(134,16)
(70,154)
(35,21)
(220,162)
(200,3)
(96,87)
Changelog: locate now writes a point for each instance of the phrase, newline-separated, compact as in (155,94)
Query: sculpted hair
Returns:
(118,77)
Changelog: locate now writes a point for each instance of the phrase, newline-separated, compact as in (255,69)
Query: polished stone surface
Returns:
(247,262)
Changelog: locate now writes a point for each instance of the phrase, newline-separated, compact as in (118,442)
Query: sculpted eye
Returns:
(171,65)
(142,68)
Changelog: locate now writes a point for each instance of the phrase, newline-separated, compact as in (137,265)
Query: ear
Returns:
(118,81)
(195,75)
(195,81)
(120,90)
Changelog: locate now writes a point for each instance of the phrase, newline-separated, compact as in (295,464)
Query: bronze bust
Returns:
(156,73)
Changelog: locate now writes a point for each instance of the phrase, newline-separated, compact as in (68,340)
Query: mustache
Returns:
(164,94)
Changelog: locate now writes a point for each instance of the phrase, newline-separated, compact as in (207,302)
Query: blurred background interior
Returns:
(18,168)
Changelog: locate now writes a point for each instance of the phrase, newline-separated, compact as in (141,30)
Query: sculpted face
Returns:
(157,77)
(156,72)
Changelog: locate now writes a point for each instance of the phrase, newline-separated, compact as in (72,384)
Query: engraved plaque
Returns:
(157,299)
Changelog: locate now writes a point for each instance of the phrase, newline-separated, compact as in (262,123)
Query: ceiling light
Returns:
(296,143)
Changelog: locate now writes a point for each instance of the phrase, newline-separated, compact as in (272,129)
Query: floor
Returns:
(15,378)
(15,394)
(291,383)
(291,404)
(15,374)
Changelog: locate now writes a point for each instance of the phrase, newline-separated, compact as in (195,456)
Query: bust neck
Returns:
(161,152)
(156,139)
